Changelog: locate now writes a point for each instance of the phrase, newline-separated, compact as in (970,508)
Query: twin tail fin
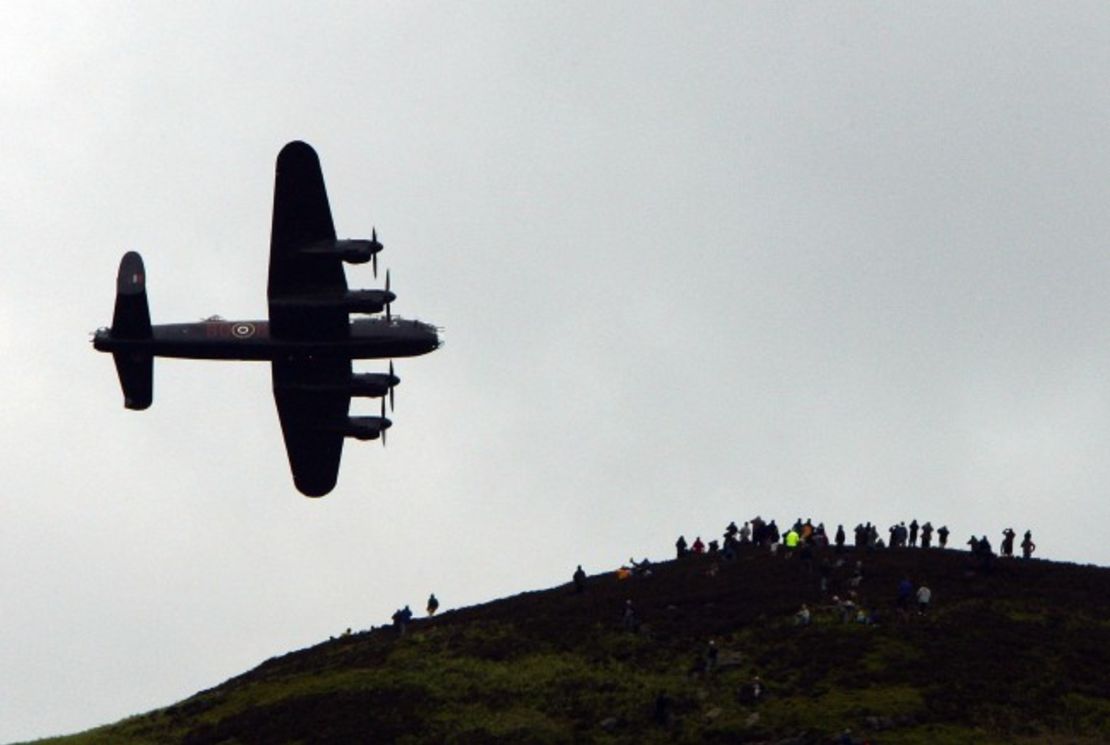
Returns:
(131,321)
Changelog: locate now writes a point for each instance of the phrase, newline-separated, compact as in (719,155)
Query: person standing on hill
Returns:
(630,620)
(924,595)
(942,535)
(711,654)
(745,534)
(820,537)
(905,589)
(401,620)
(1008,542)
(698,547)
(433,604)
(579,580)
(984,553)
(913,533)
(840,538)
(926,535)
(759,530)
(680,546)
(1027,545)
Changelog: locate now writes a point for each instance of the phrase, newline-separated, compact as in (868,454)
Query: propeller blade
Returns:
(392,406)
(374,263)
(384,428)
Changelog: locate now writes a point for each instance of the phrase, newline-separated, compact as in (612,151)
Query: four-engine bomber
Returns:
(309,339)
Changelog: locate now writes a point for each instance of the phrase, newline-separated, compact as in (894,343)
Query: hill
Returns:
(1018,652)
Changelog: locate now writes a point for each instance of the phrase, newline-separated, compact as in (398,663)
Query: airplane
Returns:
(309,340)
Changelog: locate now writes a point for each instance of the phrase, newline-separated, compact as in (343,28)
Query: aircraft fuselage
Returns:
(371,338)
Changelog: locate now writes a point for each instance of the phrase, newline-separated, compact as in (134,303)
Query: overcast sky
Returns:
(695,262)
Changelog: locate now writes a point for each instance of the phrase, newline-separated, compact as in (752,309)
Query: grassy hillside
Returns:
(1017,654)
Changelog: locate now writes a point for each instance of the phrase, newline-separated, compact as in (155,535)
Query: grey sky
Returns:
(696,262)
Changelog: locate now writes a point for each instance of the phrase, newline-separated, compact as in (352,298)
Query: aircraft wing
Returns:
(302,219)
(312,406)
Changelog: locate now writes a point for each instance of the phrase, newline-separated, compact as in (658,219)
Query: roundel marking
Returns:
(242,330)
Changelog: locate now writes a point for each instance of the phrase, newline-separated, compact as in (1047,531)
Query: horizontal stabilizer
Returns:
(131,319)
(136,377)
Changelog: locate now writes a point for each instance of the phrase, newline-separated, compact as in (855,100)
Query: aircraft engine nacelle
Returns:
(372,385)
(367,301)
(357,251)
(366,427)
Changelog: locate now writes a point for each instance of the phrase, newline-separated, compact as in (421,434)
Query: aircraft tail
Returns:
(132,316)
(131,321)
(136,377)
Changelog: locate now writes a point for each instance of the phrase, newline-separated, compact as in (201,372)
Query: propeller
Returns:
(391,387)
(375,247)
(388,315)
(384,428)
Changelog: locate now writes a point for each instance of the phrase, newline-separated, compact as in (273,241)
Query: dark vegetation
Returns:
(1017,654)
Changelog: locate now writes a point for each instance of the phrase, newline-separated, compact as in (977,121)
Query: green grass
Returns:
(1016,656)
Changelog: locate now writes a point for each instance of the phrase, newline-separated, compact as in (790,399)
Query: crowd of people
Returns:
(759,532)
(801,538)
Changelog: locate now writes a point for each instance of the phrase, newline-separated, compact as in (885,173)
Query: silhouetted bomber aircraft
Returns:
(309,340)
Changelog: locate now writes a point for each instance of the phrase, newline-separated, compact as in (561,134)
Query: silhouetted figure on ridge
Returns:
(942,536)
(820,537)
(1008,542)
(913,533)
(1027,545)
(401,620)
(579,580)
(926,535)
(984,553)
(680,546)
(433,604)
